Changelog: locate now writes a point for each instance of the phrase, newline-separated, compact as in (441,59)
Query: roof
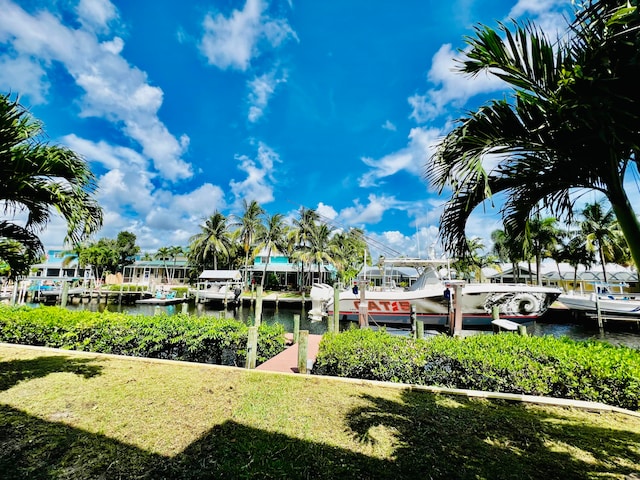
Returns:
(221,275)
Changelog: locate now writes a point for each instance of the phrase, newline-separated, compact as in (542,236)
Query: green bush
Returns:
(593,371)
(176,337)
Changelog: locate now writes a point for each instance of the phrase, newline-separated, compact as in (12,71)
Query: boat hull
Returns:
(608,305)
(518,303)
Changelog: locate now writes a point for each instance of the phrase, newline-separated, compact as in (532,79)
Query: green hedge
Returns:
(555,367)
(177,337)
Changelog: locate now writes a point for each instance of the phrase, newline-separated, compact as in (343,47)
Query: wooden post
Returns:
(252,347)
(335,325)
(185,308)
(598,312)
(456,325)
(522,330)
(303,349)
(14,295)
(412,319)
(296,327)
(65,294)
(363,309)
(258,306)
(420,329)
(495,315)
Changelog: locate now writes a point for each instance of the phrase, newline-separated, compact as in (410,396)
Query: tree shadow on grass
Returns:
(34,449)
(436,437)
(457,437)
(15,371)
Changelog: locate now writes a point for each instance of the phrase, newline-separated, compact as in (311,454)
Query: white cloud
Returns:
(259,183)
(114,90)
(389,126)
(234,41)
(128,187)
(24,76)
(261,89)
(96,14)
(452,88)
(372,212)
(326,212)
(411,159)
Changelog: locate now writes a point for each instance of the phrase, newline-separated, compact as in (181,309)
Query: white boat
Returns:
(223,286)
(431,298)
(609,304)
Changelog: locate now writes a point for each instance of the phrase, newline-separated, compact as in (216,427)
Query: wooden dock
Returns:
(287,361)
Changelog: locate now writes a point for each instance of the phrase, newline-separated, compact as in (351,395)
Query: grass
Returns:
(80,415)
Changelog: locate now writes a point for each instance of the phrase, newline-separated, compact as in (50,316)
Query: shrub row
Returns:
(178,337)
(555,367)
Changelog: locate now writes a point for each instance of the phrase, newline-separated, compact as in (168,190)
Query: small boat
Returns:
(162,297)
(608,303)
(223,286)
(430,298)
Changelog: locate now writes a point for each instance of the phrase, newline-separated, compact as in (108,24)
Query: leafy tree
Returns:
(213,241)
(37,179)
(249,225)
(127,249)
(102,255)
(542,236)
(570,123)
(300,235)
(272,238)
(164,254)
(601,234)
(320,249)
(349,251)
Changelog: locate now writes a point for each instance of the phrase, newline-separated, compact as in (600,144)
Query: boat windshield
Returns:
(429,276)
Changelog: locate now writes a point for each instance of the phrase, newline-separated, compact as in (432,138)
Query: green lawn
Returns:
(79,415)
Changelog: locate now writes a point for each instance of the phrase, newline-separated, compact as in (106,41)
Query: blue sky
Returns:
(184,108)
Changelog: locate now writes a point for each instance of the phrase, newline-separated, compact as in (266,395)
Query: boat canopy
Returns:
(220,275)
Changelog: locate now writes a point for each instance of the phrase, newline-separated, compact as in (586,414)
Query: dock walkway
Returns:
(287,361)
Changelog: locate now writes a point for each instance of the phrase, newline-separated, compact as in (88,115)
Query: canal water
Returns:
(557,325)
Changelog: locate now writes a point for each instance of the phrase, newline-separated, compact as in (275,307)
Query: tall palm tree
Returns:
(164,254)
(575,253)
(249,224)
(599,228)
(272,238)
(36,180)
(349,252)
(543,236)
(320,249)
(570,123)
(174,252)
(211,242)
(301,233)
(507,247)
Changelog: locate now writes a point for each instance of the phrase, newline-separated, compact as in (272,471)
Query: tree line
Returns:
(234,241)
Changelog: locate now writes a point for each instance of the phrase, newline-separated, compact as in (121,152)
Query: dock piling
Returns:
(303,349)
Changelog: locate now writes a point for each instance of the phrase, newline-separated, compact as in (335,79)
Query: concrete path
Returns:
(287,361)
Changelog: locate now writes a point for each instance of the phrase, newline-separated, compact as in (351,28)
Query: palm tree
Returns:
(543,236)
(301,232)
(164,254)
(37,179)
(600,232)
(507,247)
(175,251)
(576,253)
(211,242)
(272,238)
(348,251)
(570,123)
(320,249)
(249,224)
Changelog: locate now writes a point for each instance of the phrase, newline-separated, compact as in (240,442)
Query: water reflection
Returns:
(627,335)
